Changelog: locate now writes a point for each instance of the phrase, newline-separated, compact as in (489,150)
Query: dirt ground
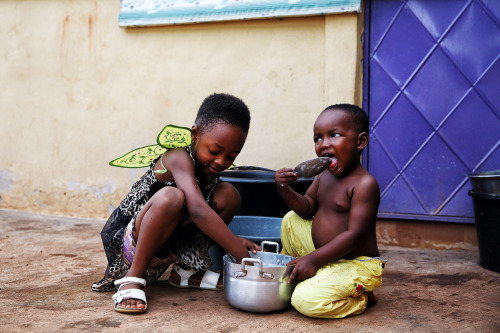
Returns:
(47,265)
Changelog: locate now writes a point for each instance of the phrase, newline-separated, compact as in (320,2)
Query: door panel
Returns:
(432,92)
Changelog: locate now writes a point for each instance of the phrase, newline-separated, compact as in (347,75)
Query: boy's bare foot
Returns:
(372,299)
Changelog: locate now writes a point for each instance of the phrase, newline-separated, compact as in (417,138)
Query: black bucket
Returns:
(486,182)
(487,216)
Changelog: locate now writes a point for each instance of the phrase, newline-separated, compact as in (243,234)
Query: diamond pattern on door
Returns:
(433,98)
(440,95)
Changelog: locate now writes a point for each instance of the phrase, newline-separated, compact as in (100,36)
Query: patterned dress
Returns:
(188,243)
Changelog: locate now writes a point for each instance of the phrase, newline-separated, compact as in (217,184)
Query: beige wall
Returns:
(78,91)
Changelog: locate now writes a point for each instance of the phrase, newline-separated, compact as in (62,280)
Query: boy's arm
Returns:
(179,163)
(303,205)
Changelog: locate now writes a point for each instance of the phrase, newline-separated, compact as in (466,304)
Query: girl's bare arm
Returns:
(179,163)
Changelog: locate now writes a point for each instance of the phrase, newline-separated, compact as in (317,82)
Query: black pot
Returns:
(259,196)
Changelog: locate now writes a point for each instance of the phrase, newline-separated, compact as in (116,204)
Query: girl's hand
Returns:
(251,246)
(304,269)
(284,177)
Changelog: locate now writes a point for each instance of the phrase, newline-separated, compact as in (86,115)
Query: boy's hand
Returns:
(304,269)
(284,177)
(251,246)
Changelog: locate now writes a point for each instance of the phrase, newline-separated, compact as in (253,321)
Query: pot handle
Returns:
(244,272)
(263,243)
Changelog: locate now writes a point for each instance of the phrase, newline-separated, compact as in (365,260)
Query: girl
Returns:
(174,212)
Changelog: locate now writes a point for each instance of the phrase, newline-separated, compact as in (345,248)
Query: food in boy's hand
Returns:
(312,167)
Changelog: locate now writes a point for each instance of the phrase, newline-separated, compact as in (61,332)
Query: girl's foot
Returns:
(130,298)
(132,303)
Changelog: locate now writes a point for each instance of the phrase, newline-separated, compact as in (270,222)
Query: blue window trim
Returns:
(138,13)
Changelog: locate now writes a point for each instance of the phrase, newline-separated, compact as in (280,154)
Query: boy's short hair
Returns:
(222,109)
(358,115)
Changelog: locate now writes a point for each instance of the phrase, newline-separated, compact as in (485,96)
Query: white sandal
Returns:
(122,295)
(208,282)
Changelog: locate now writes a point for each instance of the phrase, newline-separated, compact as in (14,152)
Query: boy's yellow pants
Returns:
(338,289)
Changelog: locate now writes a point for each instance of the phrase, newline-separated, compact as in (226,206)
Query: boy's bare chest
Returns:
(335,196)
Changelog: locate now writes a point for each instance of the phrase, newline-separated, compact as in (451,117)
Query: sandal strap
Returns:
(184,274)
(130,280)
(122,295)
(210,279)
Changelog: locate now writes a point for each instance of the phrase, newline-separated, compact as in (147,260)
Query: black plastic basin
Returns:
(259,196)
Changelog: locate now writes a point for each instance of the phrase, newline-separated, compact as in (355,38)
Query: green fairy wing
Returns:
(171,136)
(139,158)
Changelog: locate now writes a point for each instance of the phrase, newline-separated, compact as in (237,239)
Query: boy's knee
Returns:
(314,303)
(286,222)
(303,300)
(289,216)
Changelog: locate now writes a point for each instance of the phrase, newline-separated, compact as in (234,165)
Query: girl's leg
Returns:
(154,225)
(225,203)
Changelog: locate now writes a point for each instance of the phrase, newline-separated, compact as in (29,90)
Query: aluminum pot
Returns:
(259,283)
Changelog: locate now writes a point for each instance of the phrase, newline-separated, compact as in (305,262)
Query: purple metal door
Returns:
(432,91)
